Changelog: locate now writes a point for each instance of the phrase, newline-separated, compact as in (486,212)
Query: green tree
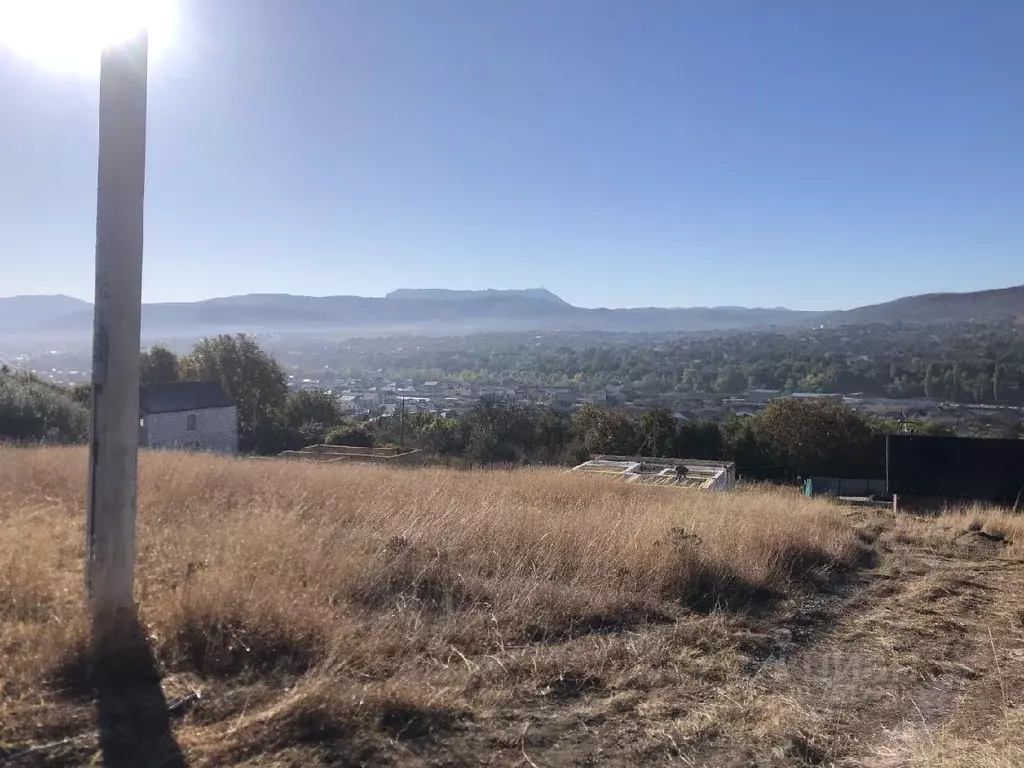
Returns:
(740,444)
(656,430)
(350,434)
(698,440)
(81,393)
(730,380)
(158,366)
(252,378)
(819,436)
(483,447)
(553,433)
(311,405)
(604,430)
(34,410)
(500,430)
(444,437)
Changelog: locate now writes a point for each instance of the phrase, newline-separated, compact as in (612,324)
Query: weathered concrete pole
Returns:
(113,455)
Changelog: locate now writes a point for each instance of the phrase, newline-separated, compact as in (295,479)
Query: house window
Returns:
(190,422)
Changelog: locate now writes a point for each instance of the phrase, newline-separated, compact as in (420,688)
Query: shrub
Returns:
(34,410)
(350,434)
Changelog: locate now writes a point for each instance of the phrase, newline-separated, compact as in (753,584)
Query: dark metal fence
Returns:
(956,468)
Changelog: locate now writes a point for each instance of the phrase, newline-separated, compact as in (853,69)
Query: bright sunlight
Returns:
(69,35)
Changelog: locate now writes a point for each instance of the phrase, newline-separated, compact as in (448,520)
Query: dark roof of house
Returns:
(183,396)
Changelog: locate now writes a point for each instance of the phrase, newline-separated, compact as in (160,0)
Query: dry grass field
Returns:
(315,615)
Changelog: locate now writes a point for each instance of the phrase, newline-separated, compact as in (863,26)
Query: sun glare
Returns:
(69,35)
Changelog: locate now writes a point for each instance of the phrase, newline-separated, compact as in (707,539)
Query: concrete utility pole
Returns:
(113,456)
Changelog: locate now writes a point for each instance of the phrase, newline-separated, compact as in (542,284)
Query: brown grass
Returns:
(366,605)
(958,577)
(954,745)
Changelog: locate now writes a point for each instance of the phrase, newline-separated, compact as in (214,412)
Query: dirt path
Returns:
(929,645)
(951,640)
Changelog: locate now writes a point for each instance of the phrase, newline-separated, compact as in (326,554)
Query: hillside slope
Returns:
(29,313)
(935,308)
(437,311)
(313,615)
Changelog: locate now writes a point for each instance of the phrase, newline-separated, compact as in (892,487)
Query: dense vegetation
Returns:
(36,411)
(790,438)
(970,363)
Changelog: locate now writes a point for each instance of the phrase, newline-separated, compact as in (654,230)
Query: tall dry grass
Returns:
(958,745)
(962,525)
(368,585)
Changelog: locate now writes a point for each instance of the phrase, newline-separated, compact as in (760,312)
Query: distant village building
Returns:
(348,403)
(189,416)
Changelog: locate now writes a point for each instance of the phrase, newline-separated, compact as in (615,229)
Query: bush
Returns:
(355,435)
(311,406)
(81,393)
(33,410)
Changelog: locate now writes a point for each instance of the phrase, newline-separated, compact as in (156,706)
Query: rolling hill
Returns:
(23,313)
(929,308)
(436,311)
(426,311)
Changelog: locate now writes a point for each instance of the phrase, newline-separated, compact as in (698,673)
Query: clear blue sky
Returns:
(667,152)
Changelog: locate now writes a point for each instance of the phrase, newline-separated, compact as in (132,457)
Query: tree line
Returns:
(791,437)
(966,363)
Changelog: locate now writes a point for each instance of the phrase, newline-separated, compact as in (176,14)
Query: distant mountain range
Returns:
(436,311)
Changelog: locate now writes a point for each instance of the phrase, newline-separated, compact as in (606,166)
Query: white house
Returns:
(188,415)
